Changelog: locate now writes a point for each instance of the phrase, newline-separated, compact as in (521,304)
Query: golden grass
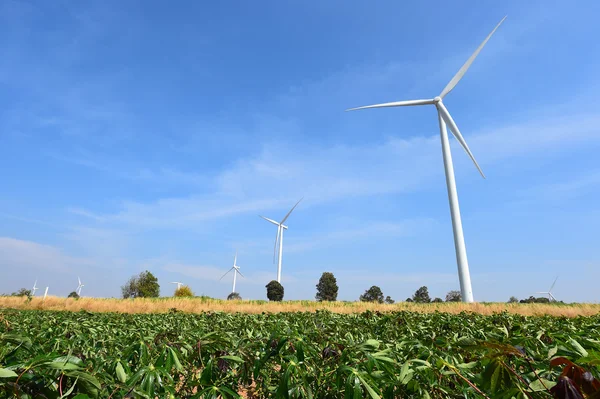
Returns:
(198,305)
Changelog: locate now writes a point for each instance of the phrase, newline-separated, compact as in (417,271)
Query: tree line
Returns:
(145,285)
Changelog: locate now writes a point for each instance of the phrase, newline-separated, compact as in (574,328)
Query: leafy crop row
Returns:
(295,355)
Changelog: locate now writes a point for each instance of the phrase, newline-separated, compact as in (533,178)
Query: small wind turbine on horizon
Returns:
(444,119)
(236,270)
(34,289)
(279,238)
(178,284)
(549,292)
(80,286)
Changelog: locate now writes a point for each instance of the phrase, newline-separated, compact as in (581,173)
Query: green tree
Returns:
(73,294)
(233,296)
(389,300)
(183,291)
(422,295)
(513,299)
(274,291)
(453,296)
(145,285)
(409,300)
(373,294)
(327,289)
(437,300)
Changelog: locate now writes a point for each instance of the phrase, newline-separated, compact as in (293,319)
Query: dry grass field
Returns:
(198,305)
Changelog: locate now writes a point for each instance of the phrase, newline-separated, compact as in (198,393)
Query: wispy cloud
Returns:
(32,256)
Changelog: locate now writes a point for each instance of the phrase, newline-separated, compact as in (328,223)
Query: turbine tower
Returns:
(549,292)
(444,119)
(236,270)
(79,287)
(279,239)
(34,289)
(178,284)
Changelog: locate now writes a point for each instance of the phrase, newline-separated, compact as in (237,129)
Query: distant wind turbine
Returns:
(444,119)
(178,284)
(46,293)
(279,239)
(236,270)
(34,289)
(549,292)
(80,286)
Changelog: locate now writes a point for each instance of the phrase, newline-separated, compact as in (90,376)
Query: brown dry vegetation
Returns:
(198,305)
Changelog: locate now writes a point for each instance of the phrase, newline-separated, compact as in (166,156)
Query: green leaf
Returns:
(121,376)
(235,359)
(370,390)
(578,348)
(496,377)
(5,373)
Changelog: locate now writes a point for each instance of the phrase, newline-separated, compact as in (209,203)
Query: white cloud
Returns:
(29,255)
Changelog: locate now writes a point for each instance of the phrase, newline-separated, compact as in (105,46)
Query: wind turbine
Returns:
(34,289)
(279,238)
(549,292)
(444,119)
(80,286)
(236,270)
(46,293)
(178,284)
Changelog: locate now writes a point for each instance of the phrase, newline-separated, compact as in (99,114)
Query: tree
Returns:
(513,299)
(327,289)
(409,300)
(437,300)
(22,292)
(373,294)
(73,294)
(453,296)
(183,291)
(143,286)
(274,291)
(422,295)
(234,296)
(389,300)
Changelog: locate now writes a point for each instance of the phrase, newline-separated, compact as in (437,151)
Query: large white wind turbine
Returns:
(34,289)
(279,239)
(549,292)
(444,119)
(178,284)
(79,287)
(236,270)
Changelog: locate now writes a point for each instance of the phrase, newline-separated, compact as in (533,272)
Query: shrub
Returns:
(389,300)
(233,296)
(183,291)
(453,296)
(73,294)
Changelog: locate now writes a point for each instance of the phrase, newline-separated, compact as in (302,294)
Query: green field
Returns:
(46,354)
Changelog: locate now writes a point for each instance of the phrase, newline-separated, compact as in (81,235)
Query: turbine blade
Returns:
(225,274)
(394,104)
(552,286)
(289,213)
(461,72)
(235,259)
(454,129)
(240,273)
(276,241)
(78,279)
(269,220)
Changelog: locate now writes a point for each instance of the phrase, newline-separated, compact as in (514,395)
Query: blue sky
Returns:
(147,135)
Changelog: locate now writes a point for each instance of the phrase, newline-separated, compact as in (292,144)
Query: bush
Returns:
(143,286)
(234,296)
(437,300)
(422,295)
(409,300)
(183,291)
(513,299)
(73,294)
(389,300)
(22,292)
(274,291)
(327,289)
(453,296)
(373,294)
